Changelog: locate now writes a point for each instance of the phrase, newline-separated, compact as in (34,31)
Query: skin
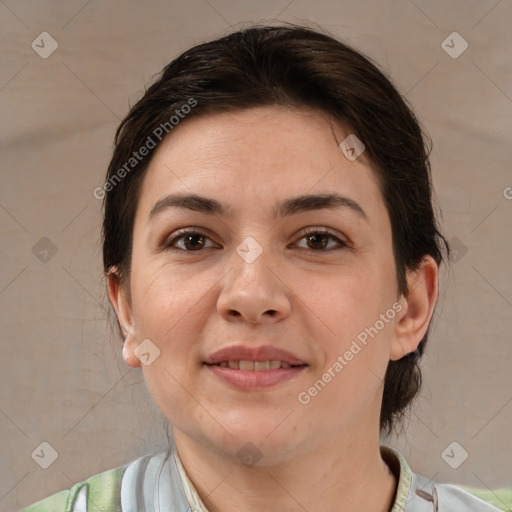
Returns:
(320,456)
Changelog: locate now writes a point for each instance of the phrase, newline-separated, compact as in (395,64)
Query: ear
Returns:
(123,308)
(417,308)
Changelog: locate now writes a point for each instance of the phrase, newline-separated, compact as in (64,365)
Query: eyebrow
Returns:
(290,206)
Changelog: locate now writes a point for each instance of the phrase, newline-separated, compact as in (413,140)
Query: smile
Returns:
(258,366)
(246,375)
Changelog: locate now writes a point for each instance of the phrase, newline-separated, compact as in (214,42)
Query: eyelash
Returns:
(168,244)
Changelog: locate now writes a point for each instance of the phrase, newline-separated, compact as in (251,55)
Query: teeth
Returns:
(258,366)
(246,365)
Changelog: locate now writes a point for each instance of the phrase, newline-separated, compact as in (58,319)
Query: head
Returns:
(253,120)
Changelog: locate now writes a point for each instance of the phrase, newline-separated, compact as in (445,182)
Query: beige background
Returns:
(63,381)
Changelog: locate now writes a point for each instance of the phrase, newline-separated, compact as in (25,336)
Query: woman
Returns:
(272,256)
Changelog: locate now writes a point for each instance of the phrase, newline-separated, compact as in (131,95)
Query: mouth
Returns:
(255,374)
(253,358)
(255,366)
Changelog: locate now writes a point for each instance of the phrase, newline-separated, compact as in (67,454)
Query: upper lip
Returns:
(250,353)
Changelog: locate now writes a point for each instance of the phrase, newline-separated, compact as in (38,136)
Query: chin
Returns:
(263,439)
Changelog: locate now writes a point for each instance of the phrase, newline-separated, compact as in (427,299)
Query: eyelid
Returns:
(180,234)
(310,230)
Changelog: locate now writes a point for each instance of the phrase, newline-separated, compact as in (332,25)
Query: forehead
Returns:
(256,156)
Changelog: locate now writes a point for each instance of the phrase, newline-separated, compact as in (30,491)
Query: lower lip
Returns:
(251,380)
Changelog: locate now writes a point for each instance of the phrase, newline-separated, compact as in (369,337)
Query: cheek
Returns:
(168,309)
(356,342)
(352,376)
(345,302)
(165,299)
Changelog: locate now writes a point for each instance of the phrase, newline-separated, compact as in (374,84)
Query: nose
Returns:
(254,292)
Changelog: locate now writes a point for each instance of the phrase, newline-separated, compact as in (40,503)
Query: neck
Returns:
(332,477)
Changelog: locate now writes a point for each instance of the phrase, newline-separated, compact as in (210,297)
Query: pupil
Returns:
(318,238)
(189,240)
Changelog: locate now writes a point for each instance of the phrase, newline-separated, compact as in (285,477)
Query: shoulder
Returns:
(133,487)
(417,493)
(444,497)
(103,490)
(494,499)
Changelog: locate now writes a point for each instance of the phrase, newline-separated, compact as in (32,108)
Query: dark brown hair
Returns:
(291,66)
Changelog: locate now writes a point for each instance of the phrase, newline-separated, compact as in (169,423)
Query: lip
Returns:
(253,380)
(247,380)
(249,353)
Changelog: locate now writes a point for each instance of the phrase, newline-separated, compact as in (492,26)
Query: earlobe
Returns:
(122,306)
(129,346)
(417,308)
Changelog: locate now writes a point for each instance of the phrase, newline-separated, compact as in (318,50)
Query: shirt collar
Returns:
(398,465)
(193,498)
(392,457)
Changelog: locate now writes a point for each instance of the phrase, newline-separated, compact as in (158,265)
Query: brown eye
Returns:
(317,241)
(188,241)
(322,241)
(193,241)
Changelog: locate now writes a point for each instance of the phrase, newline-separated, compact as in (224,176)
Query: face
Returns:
(260,270)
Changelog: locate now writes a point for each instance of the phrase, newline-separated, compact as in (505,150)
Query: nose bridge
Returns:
(251,289)
(252,262)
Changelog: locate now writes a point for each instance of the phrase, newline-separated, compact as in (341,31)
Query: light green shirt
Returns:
(159,483)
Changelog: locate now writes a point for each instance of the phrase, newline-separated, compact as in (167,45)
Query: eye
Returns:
(318,240)
(187,240)
(191,240)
